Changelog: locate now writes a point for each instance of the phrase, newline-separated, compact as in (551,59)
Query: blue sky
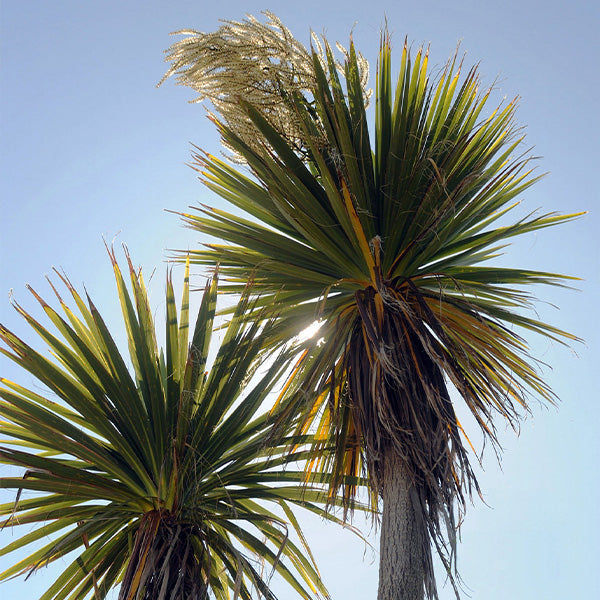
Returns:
(90,148)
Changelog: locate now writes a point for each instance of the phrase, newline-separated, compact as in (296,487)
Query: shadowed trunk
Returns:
(401,561)
(163,564)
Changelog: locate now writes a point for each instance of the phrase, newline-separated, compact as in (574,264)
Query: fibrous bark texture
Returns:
(402,543)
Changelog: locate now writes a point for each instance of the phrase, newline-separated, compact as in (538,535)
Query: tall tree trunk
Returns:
(401,561)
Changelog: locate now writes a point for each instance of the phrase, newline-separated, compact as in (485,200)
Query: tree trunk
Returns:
(401,561)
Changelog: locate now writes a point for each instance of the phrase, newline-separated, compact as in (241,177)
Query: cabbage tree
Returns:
(386,236)
(151,471)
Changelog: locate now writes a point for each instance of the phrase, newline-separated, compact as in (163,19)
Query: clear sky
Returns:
(90,148)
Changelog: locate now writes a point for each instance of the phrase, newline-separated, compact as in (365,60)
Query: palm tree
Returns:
(387,243)
(160,480)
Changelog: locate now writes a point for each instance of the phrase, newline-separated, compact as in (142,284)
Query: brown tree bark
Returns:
(401,561)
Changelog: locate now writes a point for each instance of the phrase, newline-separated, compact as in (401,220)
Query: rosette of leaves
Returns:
(159,477)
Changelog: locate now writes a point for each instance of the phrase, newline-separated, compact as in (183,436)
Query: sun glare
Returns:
(310,332)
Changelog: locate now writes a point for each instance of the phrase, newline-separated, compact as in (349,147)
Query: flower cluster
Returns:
(260,64)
